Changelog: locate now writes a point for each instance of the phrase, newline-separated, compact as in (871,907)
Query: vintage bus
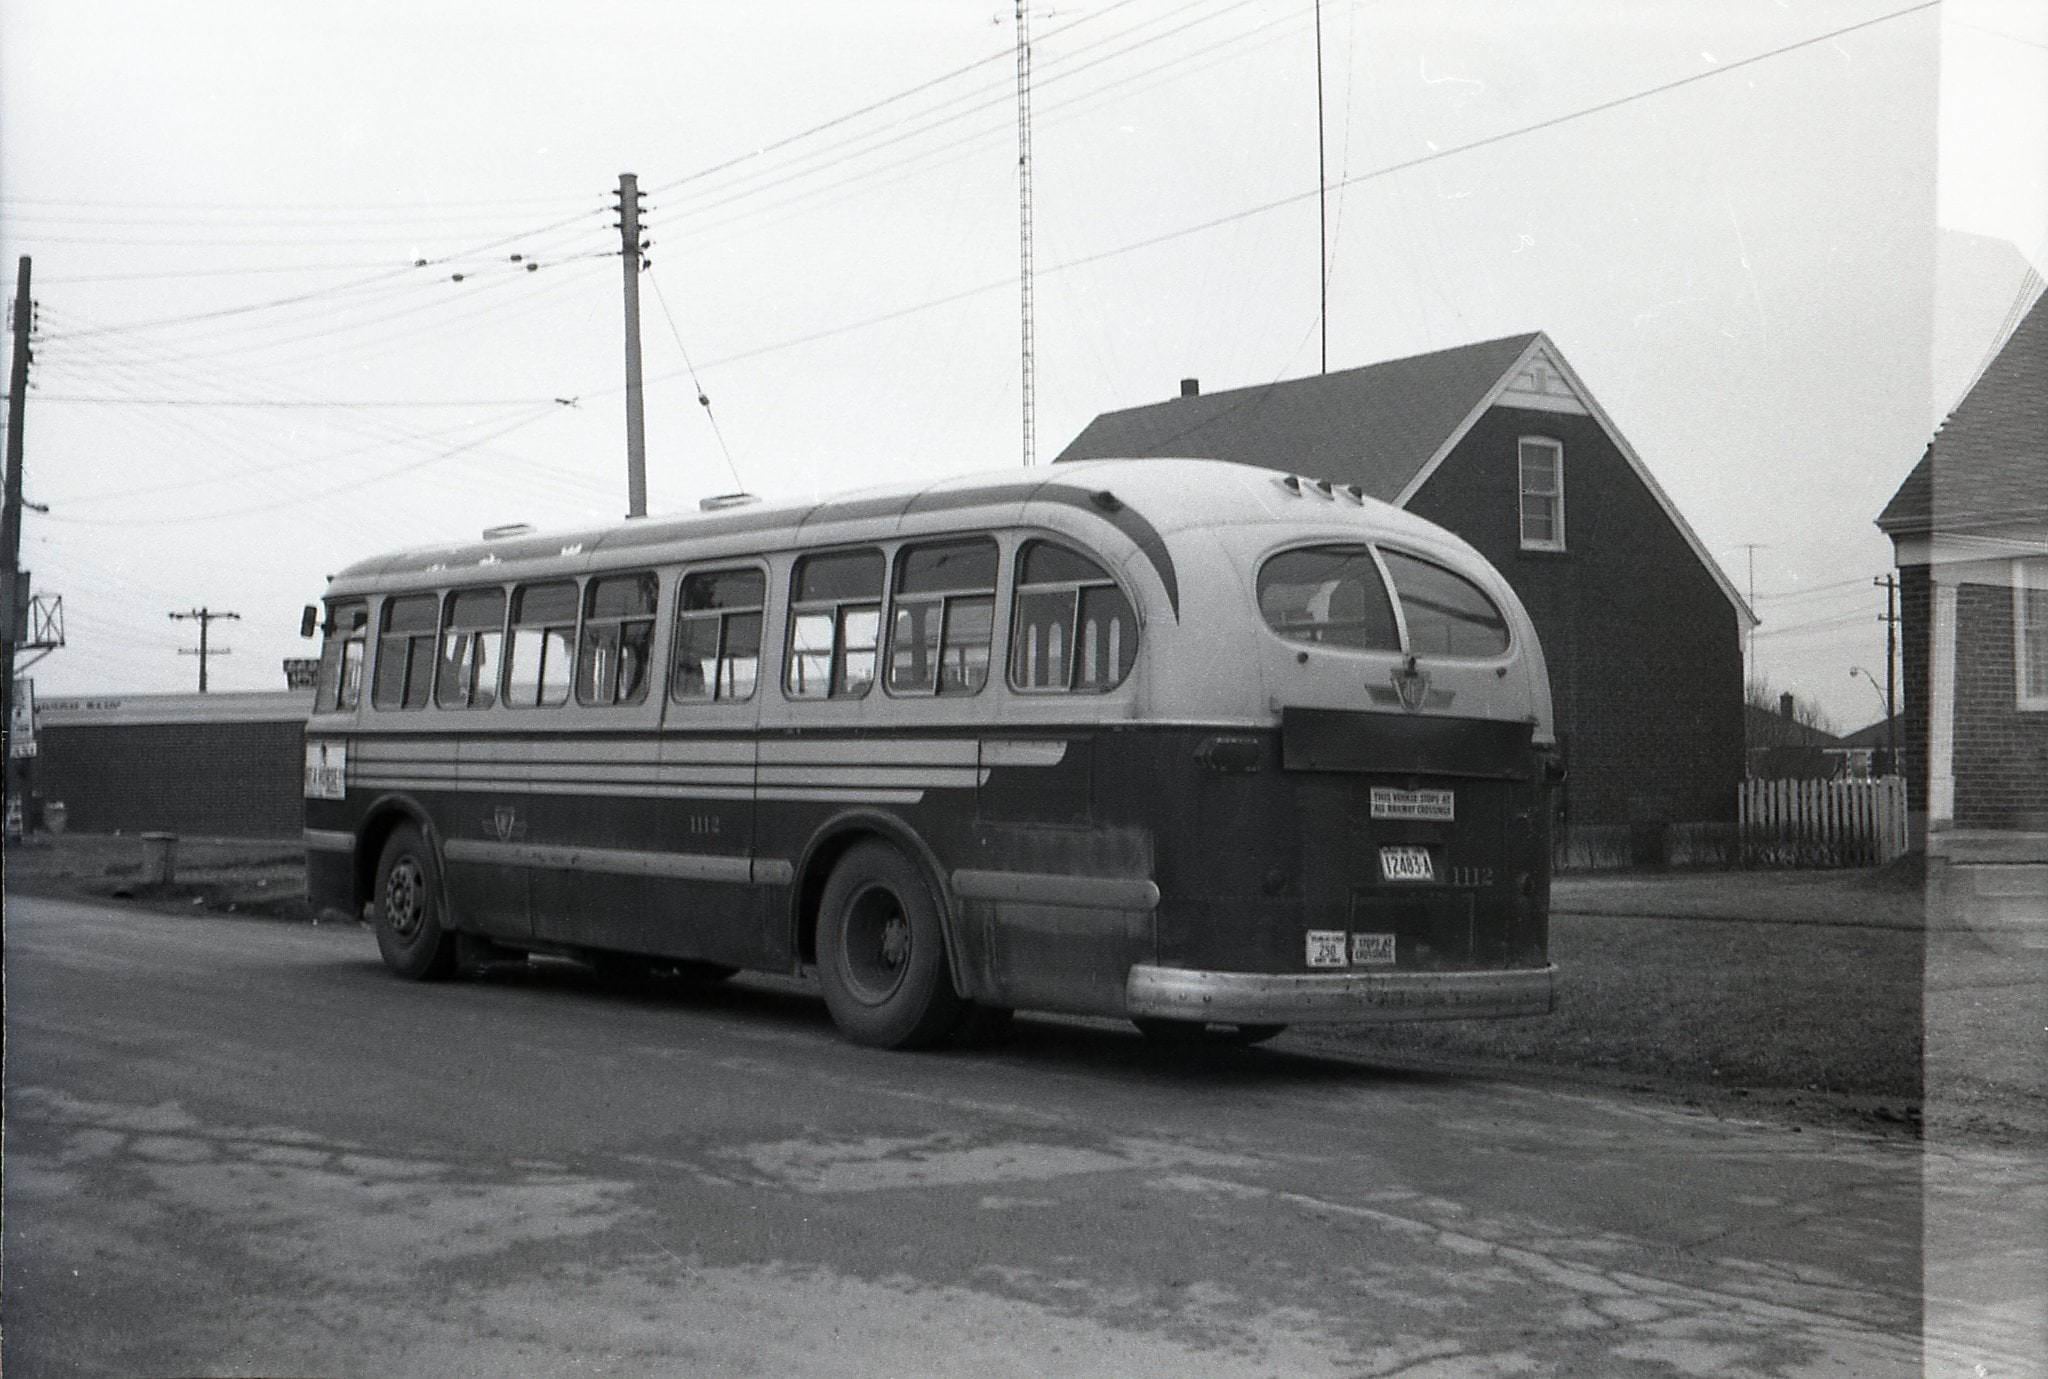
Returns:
(1211,748)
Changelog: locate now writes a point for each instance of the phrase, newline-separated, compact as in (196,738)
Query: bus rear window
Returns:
(1328,596)
(1447,614)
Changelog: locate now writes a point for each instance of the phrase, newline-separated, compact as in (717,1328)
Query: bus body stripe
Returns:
(674,866)
(1047,888)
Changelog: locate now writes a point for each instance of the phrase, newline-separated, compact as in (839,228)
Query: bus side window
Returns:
(542,644)
(835,622)
(341,657)
(405,652)
(718,635)
(1073,630)
(471,633)
(618,638)
(942,617)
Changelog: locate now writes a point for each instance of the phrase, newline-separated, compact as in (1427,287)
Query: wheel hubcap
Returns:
(404,898)
(876,944)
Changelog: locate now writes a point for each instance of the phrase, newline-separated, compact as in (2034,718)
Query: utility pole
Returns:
(204,617)
(1322,204)
(1024,254)
(1890,585)
(1750,654)
(13,607)
(636,411)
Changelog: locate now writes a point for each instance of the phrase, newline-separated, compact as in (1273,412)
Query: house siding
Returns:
(230,779)
(2001,751)
(1644,647)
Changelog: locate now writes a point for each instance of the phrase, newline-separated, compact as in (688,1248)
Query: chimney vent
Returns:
(1785,706)
(1191,387)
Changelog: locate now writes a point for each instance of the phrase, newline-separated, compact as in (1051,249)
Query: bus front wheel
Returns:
(408,909)
(882,952)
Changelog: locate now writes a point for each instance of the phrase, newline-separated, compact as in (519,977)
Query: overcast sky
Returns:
(242,383)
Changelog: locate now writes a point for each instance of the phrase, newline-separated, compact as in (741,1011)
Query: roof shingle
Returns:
(1374,426)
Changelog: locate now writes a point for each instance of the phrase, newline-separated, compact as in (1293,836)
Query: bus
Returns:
(1210,748)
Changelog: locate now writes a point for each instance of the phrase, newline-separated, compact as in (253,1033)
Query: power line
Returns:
(703,398)
(868,109)
(297,298)
(1278,203)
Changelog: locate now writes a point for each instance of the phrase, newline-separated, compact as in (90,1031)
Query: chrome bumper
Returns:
(1298,998)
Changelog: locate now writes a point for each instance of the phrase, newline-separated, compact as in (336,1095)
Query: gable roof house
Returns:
(1969,529)
(1505,445)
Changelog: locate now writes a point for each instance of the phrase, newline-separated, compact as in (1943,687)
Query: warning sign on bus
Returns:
(326,770)
(1413,804)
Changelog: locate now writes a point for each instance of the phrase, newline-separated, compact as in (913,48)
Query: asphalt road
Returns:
(240,1147)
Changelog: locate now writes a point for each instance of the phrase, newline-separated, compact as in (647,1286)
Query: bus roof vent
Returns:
(509,529)
(719,502)
(1292,483)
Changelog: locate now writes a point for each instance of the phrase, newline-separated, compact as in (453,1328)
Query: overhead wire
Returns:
(1296,198)
(703,398)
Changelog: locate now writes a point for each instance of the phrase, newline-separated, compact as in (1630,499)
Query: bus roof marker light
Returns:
(1323,487)
(719,502)
(1292,483)
(509,529)
(1106,500)
(1356,492)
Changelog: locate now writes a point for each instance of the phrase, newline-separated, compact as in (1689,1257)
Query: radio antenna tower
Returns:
(1024,223)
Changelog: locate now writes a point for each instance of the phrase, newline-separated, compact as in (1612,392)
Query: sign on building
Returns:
(300,672)
(21,731)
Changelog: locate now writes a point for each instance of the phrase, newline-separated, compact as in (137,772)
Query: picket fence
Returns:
(1823,823)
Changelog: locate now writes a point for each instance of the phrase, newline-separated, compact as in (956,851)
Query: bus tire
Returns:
(882,952)
(408,902)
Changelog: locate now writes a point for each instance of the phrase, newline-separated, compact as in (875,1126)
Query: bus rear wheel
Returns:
(882,952)
(408,909)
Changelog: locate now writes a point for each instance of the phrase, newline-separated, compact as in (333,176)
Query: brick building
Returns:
(1969,529)
(1503,443)
(211,765)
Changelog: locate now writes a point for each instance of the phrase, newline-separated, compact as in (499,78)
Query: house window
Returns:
(2030,631)
(1542,466)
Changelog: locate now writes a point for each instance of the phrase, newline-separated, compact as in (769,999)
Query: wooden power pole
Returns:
(204,617)
(636,410)
(13,607)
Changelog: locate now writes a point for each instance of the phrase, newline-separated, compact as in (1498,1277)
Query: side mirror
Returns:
(309,621)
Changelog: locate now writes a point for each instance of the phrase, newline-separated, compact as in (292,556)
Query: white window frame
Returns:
(2028,572)
(1522,493)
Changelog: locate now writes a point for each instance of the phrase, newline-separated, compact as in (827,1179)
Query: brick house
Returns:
(1969,529)
(219,765)
(1504,444)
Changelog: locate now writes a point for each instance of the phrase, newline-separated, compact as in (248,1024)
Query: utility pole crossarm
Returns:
(205,617)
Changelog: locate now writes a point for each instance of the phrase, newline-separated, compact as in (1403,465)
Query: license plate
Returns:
(1326,948)
(1441,805)
(1406,864)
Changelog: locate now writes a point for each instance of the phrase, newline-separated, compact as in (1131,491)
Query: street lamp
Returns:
(1891,726)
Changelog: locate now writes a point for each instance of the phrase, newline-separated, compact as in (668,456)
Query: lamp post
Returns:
(1891,726)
